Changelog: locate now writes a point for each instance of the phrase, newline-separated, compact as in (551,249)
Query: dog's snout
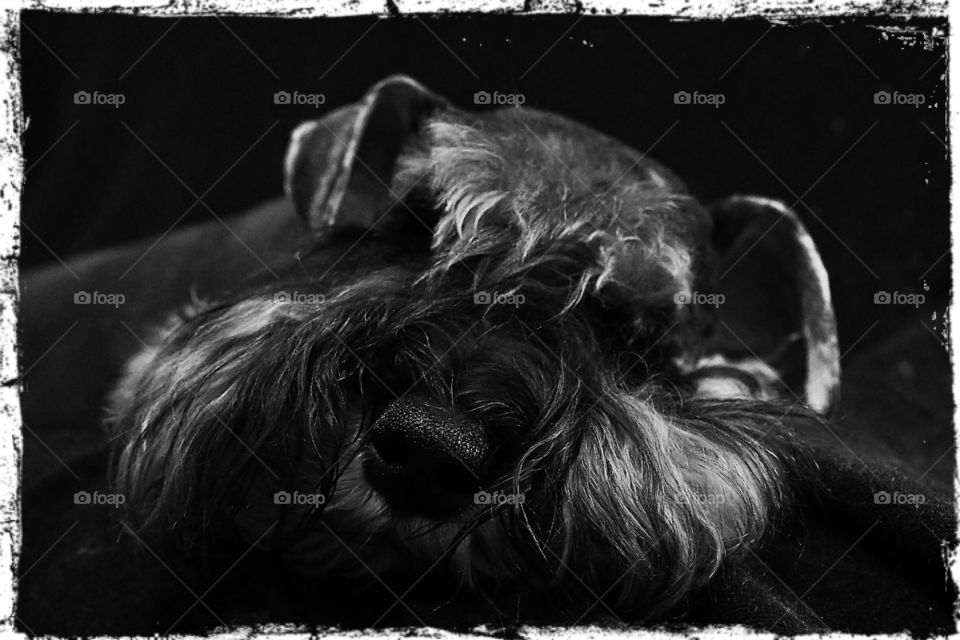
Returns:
(428,459)
(412,432)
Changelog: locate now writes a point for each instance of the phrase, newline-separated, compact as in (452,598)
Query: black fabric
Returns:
(849,563)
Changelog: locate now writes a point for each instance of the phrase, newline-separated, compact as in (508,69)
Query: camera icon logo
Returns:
(482,97)
(882,297)
(282,497)
(81,497)
(82,297)
(682,297)
(281,97)
(882,497)
(482,297)
(881,97)
(81,97)
(681,97)
(282,297)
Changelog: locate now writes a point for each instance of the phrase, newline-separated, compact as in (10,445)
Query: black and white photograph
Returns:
(504,321)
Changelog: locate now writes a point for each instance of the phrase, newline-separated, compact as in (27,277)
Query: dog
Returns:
(512,353)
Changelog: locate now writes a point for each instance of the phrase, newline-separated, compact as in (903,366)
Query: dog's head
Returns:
(515,352)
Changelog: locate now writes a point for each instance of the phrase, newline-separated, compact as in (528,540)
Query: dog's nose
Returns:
(429,460)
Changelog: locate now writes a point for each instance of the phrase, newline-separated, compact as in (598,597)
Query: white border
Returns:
(11,439)
(683,9)
(11,183)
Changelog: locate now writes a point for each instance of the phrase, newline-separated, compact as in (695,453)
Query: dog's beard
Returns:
(632,488)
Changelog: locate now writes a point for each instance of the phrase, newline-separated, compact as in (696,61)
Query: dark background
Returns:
(799,122)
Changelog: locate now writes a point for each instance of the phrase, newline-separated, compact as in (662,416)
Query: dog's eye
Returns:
(419,214)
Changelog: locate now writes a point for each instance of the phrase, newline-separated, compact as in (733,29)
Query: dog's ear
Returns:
(775,320)
(339,168)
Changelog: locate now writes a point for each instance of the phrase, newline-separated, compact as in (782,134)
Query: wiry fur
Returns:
(485,181)
(634,488)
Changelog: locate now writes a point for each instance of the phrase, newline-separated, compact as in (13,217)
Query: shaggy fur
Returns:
(635,487)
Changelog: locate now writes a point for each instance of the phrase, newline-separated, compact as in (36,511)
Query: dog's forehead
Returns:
(536,179)
(582,156)
(542,170)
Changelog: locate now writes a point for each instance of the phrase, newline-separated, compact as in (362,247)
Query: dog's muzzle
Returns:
(426,460)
